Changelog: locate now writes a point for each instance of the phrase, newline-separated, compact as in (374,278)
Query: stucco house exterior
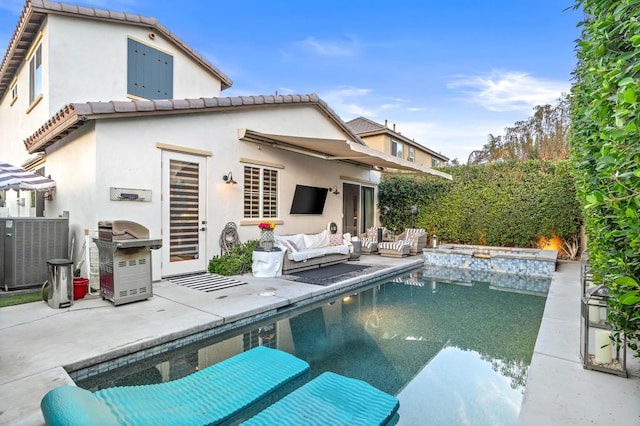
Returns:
(130,123)
(389,141)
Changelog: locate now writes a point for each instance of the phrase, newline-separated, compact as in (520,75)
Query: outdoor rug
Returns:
(206,282)
(332,274)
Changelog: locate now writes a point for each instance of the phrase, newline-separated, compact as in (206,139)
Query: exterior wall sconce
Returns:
(334,190)
(228,178)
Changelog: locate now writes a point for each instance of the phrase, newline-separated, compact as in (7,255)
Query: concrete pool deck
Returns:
(36,342)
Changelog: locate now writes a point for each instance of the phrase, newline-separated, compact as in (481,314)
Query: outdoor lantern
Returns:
(586,275)
(598,349)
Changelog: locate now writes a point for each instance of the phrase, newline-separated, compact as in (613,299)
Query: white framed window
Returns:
(397,149)
(13,88)
(260,192)
(35,75)
(435,162)
(412,154)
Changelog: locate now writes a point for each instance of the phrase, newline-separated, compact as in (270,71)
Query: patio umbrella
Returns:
(12,177)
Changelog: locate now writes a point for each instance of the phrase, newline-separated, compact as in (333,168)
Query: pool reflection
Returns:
(458,349)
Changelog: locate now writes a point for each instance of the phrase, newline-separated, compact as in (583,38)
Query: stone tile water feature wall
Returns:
(506,260)
(530,284)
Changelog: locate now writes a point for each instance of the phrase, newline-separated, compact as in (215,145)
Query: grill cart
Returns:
(124,250)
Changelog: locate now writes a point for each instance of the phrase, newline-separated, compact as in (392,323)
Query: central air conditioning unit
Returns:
(28,242)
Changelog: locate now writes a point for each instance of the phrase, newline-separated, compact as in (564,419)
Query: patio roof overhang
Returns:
(337,150)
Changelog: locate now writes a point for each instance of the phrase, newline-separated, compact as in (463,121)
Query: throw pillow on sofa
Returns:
(287,245)
(336,240)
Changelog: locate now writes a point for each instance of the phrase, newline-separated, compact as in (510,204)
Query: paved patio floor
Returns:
(36,342)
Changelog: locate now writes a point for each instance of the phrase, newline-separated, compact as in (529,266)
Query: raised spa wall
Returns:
(498,259)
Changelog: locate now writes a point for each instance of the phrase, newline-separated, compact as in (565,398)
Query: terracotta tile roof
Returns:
(35,11)
(74,115)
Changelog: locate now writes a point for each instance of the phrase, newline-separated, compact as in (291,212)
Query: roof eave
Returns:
(72,116)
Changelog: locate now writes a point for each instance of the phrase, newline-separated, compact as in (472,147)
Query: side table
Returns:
(267,264)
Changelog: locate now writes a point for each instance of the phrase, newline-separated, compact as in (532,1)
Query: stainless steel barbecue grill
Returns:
(124,249)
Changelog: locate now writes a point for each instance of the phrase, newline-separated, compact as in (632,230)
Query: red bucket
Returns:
(80,287)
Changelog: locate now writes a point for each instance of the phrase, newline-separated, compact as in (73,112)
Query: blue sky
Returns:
(446,73)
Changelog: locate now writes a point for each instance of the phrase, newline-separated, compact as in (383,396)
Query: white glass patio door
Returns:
(183,207)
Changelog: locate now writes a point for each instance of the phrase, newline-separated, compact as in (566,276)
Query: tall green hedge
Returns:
(501,204)
(605,149)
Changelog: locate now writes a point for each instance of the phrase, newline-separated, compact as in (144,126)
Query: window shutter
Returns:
(260,193)
(166,76)
(270,194)
(149,72)
(251,192)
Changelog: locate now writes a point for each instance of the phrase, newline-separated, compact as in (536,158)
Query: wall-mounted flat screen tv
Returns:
(308,200)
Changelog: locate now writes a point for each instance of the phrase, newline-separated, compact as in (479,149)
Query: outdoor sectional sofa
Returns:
(308,251)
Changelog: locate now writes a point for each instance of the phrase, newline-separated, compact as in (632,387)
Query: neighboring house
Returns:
(154,143)
(384,139)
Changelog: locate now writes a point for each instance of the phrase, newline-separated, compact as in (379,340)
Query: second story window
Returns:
(396,149)
(14,93)
(260,192)
(435,162)
(412,154)
(35,75)
(149,72)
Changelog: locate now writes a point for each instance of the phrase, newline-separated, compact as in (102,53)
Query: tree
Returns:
(605,152)
(543,136)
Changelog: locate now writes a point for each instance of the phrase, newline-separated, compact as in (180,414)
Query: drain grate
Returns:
(206,282)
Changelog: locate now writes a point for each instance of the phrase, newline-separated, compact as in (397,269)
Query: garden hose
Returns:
(43,291)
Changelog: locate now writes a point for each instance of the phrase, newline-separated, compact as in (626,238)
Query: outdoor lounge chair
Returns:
(368,246)
(331,399)
(398,248)
(214,395)
(370,239)
(417,237)
(226,393)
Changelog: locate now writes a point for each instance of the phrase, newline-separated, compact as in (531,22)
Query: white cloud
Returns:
(508,90)
(329,47)
(286,90)
(453,138)
(349,102)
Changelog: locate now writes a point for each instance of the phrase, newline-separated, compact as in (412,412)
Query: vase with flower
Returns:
(266,235)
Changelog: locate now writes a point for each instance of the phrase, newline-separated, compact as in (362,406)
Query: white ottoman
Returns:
(267,263)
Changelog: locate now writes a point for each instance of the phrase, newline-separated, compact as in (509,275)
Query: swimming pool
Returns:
(453,351)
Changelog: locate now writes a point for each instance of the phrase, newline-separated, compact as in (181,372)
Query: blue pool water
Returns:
(453,350)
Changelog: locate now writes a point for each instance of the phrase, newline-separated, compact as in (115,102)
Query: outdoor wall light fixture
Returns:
(228,178)
(334,190)
(413,210)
